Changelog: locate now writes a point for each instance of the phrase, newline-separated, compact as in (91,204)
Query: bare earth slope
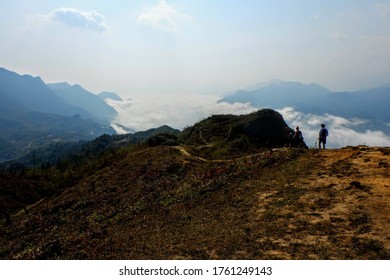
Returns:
(165,203)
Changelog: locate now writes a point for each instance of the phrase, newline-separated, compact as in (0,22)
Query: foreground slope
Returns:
(165,203)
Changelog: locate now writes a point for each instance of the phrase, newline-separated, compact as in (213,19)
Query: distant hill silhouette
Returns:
(32,115)
(280,94)
(24,93)
(76,95)
(369,104)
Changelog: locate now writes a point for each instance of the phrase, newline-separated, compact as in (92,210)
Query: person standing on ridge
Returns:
(297,138)
(322,136)
(288,136)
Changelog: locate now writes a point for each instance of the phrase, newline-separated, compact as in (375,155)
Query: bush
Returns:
(162,139)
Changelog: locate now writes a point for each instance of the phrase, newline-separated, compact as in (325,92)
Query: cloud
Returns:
(163,16)
(74,18)
(342,131)
(146,111)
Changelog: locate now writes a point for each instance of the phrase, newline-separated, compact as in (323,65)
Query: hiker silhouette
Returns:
(288,136)
(297,139)
(322,136)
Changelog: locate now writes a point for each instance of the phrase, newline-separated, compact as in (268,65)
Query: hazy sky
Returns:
(197,46)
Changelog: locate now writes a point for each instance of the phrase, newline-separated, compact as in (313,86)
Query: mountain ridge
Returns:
(26,93)
(32,115)
(77,95)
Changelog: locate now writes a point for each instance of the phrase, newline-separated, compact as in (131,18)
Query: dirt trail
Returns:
(184,151)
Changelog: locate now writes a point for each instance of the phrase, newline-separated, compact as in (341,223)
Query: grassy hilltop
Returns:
(183,202)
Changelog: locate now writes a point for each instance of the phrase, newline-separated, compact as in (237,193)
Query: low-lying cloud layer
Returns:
(144,112)
(341,130)
(148,111)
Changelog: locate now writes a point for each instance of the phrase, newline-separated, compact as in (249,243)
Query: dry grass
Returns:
(164,203)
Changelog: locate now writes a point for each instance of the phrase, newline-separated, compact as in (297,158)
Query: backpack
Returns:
(323,133)
(298,135)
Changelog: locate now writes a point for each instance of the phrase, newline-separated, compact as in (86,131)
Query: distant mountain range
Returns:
(75,95)
(24,93)
(33,114)
(369,104)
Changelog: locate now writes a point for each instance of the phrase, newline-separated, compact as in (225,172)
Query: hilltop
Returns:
(197,195)
(224,136)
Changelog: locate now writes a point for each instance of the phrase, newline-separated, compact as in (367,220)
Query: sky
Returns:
(171,60)
(197,46)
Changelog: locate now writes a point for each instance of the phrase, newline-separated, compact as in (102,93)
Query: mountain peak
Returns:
(65,86)
(276,83)
(60,85)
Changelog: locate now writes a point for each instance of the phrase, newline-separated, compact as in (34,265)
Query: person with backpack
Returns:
(288,136)
(322,136)
(297,138)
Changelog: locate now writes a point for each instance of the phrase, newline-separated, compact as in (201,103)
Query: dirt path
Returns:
(184,151)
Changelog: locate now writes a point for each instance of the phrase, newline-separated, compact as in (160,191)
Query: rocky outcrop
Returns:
(264,128)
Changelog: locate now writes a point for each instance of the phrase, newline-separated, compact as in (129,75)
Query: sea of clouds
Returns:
(143,112)
(342,131)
